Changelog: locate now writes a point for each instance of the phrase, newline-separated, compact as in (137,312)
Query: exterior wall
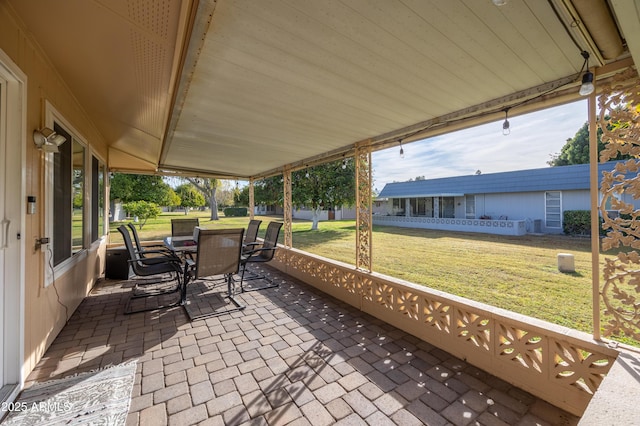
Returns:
(44,314)
(513,213)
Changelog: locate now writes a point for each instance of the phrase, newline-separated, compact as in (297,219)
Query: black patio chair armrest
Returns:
(156,260)
(153,245)
(163,252)
(248,255)
(189,265)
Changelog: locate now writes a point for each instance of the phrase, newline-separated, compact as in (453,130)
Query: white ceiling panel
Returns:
(270,83)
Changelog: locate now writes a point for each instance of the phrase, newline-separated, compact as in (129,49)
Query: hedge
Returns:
(578,222)
(235,211)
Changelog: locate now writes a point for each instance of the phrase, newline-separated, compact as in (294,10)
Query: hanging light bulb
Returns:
(401,149)
(307,175)
(344,164)
(587,87)
(505,126)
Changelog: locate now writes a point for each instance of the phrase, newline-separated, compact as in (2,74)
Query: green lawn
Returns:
(515,273)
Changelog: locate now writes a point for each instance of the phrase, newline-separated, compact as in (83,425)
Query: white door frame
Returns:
(13,130)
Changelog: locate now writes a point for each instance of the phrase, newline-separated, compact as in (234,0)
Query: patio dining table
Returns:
(181,245)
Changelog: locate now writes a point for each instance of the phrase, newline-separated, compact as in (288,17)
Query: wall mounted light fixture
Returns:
(47,140)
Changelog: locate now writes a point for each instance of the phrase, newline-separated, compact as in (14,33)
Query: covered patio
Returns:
(294,356)
(235,89)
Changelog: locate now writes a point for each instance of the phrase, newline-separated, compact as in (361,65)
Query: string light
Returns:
(401,149)
(587,87)
(505,126)
(344,163)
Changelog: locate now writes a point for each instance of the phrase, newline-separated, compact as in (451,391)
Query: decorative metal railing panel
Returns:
(288,208)
(252,202)
(363,207)
(560,365)
(619,120)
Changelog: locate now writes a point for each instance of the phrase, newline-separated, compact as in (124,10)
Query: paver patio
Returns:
(293,356)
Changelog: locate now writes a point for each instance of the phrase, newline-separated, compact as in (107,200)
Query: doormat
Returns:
(91,398)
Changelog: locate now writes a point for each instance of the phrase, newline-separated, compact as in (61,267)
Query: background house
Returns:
(512,203)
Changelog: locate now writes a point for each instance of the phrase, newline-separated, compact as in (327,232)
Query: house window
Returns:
(470,206)
(447,207)
(553,209)
(398,206)
(418,207)
(68,198)
(97,199)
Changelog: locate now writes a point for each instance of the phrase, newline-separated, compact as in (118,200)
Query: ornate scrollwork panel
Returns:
(288,208)
(252,203)
(364,220)
(619,121)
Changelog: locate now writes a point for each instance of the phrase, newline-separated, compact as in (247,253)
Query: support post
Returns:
(252,205)
(288,210)
(364,220)
(595,217)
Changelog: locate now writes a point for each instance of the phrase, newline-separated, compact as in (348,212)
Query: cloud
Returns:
(534,138)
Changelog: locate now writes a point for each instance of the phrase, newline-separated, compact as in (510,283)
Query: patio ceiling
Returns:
(241,88)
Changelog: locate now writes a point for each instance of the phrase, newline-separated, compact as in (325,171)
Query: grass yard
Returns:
(515,273)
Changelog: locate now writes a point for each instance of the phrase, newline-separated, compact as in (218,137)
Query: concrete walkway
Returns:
(293,356)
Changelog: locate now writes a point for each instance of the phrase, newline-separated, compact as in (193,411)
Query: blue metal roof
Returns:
(560,178)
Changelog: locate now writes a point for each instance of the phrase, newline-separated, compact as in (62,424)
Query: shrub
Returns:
(235,211)
(578,222)
(143,210)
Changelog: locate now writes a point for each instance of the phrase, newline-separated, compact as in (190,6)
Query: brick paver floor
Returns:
(293,356)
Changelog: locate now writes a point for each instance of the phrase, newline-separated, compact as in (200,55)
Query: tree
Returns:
(143,210)
(225,193)
(266,192)
(208,187)
(576,149)
(174,200)
(127,188)
(324,186)
(190,197)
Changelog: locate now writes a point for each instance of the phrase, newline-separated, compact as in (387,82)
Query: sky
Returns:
(534,138)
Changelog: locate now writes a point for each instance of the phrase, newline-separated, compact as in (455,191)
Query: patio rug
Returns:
(96,397)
